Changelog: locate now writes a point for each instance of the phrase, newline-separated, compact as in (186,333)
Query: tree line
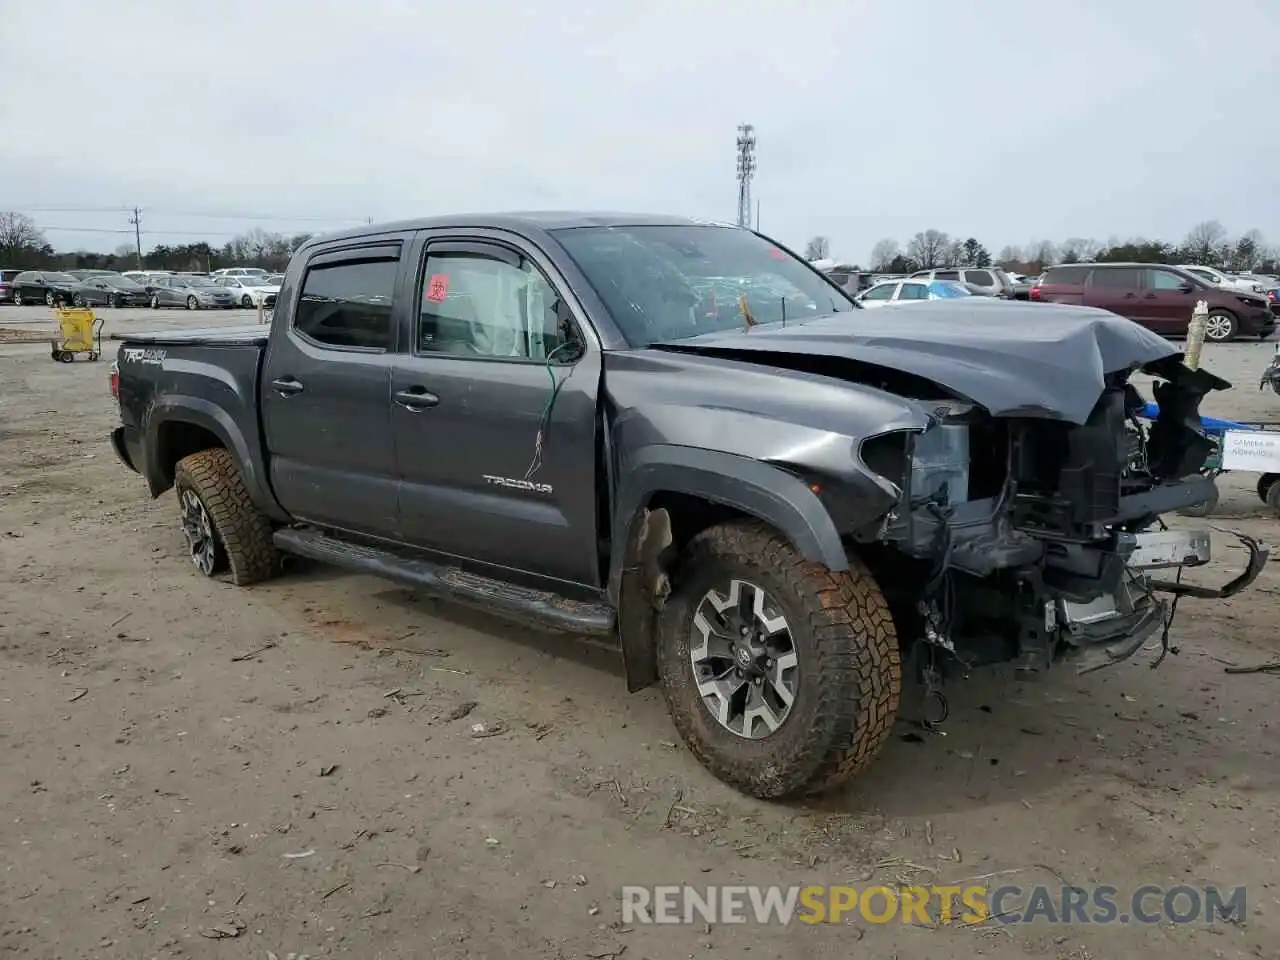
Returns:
(1207,243)
(24,245)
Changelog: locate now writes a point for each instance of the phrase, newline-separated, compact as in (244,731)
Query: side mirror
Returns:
(1186,287)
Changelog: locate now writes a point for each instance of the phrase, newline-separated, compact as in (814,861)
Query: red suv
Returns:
(1159,297)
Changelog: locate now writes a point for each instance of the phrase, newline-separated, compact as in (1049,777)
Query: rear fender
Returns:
(178,408)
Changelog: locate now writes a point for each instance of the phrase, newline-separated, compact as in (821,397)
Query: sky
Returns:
(1004,120)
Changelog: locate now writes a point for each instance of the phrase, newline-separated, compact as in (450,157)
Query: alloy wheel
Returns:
(198,530)
(1218,327)
(744,660)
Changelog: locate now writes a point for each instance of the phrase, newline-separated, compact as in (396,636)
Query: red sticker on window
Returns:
(777,254)
(438,287)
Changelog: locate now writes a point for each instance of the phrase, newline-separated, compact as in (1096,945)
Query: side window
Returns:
(883,291)
(982,278)
(496,305)
(1121,279)
(348,303)
(1164,280)
(947,275)
(914,291)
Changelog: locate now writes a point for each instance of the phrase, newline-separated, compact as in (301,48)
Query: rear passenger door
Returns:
(325,390)
(1116,289)
(494,411)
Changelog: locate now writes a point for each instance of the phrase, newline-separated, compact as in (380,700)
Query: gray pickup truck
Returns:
(679,435)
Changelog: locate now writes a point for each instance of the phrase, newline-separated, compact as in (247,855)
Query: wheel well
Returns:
(690,515)
(178,439)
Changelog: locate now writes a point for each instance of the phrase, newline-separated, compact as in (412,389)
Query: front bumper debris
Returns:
(1259,553)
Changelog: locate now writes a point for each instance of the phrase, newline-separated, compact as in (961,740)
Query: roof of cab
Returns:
(521,222)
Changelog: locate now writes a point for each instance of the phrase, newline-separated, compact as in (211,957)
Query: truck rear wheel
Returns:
(782,677)
(222,526)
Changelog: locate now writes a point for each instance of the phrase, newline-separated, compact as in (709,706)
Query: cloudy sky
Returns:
(1003,119)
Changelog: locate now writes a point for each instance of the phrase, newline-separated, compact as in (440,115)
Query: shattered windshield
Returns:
(671,282)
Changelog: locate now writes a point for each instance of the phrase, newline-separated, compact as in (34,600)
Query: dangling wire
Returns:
(544,421)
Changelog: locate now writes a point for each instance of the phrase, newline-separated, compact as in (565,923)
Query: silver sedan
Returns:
(194,293)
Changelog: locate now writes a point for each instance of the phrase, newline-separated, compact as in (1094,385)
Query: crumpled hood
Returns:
(1010,357)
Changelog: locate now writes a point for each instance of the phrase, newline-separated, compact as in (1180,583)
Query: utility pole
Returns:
(746,170)
(136,220)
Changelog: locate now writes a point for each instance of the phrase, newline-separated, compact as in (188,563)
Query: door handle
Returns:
(287,386)
(415,399)
(1150,296)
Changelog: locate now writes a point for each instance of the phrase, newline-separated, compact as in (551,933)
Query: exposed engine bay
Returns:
(1041,540)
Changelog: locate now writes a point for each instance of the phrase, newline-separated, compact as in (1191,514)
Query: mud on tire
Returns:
(848,668)
(242,533)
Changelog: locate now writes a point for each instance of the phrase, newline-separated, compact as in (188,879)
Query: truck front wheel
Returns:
(782,676)
(220,523)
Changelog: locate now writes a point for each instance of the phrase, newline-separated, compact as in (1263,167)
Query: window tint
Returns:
(982,278)
(882,292)
(348,304)
(25,277)
(480,305)
(947,275)
(1069,276)
(914,291)
(1164,280)
(1123,278)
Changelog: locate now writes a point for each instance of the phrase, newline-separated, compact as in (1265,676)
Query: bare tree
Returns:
(18,232)
(1041,254)
(818,248)
(929,248)
(1009,254)
(884,253)
(1205,242)
(1247,252)
(1079,250)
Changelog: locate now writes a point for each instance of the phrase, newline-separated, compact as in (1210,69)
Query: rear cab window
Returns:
(346,299)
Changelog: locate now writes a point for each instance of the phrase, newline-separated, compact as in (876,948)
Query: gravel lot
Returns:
(191,769)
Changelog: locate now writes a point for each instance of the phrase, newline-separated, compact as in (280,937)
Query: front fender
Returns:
(751,486)
(181,408)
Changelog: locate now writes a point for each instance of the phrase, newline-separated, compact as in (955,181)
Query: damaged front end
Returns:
(1039,540)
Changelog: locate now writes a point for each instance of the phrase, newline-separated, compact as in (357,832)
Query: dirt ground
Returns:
(188,769)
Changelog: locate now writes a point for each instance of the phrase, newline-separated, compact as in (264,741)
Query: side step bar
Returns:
(548,611)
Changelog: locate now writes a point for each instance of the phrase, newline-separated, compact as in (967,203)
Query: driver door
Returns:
(1167,301)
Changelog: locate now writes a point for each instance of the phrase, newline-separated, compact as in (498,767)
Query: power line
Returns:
(194,214)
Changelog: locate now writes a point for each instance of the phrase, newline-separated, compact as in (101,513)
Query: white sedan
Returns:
(911,291)
(251,291)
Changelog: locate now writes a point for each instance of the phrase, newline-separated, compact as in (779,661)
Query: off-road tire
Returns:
(242,531)
(1204,508)
(850,670)
(1269,490)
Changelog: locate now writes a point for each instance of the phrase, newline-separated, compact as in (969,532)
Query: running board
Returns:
(538,608)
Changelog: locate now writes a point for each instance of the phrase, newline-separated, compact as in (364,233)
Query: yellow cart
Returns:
(79,331)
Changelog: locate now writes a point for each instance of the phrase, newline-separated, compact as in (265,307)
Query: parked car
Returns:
(251,291)
(276,279)
(984,281)
(6,284)
(194,293)
(1266,281)
(43,286)
(240,272)
(86,274)
(769,511)
(1225,280)
(145,276)
(911,291)
(113,291)
(1159,297)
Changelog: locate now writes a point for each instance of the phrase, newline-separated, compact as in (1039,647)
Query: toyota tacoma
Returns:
(679,435)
